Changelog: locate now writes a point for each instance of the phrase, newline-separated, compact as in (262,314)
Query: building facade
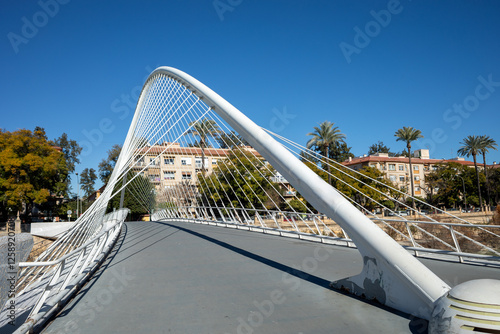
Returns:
(396,169)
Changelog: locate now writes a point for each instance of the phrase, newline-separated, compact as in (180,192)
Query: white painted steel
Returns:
(43,284)
(472,306)
(407,284)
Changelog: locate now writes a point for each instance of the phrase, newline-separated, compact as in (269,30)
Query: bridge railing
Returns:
(480,242)
(43,285)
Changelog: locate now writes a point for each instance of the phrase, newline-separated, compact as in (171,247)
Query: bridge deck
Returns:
(165,277)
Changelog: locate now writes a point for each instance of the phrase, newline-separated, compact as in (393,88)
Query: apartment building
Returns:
(170,164)
(396,169)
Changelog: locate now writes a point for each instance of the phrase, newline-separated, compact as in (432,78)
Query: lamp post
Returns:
(463,184)
(152,192)
(77,193)
(465,195)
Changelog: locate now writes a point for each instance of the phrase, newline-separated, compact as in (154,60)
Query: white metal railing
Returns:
(453,239)
(63,276)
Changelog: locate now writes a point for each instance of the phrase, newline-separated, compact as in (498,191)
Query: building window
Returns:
(214,161)
(392,167)
(415,167)
(169,175)
(401,179)
(401,167)
(186,161)
(417,188)
(392,178)
(152,161)
(373,166)
(169,161)
(417,178)
(197,162)
(186,176)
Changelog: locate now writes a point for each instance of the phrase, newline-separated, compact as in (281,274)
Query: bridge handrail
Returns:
(60,286)
(455,252)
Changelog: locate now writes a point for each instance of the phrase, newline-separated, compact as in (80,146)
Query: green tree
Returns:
(239,182)
(87,180)
(472,145)
(379,147)
(107,165)
(296,205)
(409,134)
(230,140)
(31,170)
(451,184)
(139,198)
(487,143)
(366,189)
(322,138)
(494,179)
(70,149)
(339,151)
(204,128)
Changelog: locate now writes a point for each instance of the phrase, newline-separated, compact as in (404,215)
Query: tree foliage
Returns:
(358,187)
(473,145)
(379,147)
(323,138)
(239,182)
(139,196)
(487,143)
(230,140)
(445,186)
(107,165)
(70,149)
(31,169)
(339,151)
(87,181)
(203,129)
(408,135)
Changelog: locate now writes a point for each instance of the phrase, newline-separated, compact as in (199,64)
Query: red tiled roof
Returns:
(215,152)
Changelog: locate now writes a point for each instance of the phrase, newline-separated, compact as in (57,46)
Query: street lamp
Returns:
(77,193)
(465,195)
(151,205)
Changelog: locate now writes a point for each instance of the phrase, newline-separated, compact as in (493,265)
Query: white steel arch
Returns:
(390,274)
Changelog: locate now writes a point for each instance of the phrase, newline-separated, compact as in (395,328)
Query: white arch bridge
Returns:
(191,157)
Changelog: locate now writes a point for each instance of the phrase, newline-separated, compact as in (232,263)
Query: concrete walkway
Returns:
(165,277)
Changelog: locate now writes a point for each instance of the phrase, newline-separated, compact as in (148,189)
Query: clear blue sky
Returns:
(433,65)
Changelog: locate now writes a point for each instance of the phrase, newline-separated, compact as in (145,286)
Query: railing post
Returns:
(455,241)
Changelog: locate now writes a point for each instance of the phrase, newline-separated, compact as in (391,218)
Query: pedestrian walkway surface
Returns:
(175,277)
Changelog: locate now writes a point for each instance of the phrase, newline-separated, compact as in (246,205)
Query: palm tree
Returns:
(409,134)
(472,145)
(203,129)
(324,136)
(487,143)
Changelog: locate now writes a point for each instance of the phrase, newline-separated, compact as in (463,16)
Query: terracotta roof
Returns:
(215,152)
